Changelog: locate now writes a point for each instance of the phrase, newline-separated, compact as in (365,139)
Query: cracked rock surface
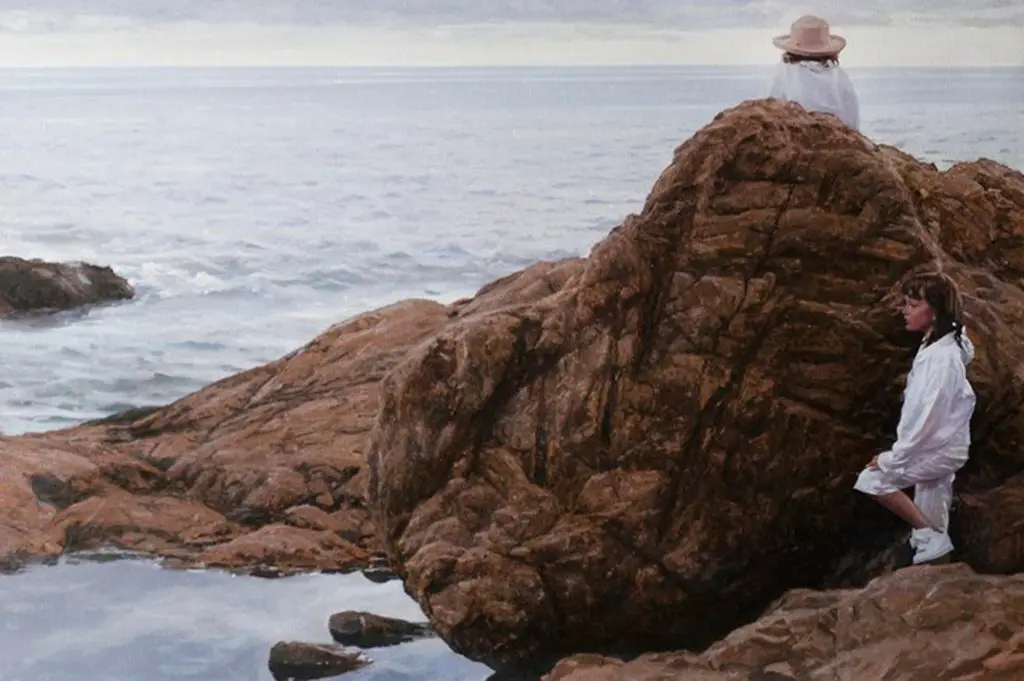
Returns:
(649,456)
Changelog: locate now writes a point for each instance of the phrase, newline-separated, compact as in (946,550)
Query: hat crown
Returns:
(809,32)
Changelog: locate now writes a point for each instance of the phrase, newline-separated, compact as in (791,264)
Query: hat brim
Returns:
(835,46)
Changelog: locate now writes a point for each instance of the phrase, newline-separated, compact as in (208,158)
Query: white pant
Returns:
(934,498)
(932,478)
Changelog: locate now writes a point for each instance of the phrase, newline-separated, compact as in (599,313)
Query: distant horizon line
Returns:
(666,65)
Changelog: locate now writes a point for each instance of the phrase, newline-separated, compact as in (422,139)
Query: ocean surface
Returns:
(253,208)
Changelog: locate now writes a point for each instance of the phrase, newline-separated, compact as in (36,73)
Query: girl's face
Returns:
(918,315)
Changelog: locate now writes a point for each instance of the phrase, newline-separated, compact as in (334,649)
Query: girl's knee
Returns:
(874,482)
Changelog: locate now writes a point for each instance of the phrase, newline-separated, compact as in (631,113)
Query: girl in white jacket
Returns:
(809,74)
(934,433)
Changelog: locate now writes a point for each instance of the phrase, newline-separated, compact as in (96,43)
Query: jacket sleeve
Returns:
(927,403)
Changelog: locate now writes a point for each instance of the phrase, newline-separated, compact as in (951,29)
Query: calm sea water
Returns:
(253,208)
(132,621)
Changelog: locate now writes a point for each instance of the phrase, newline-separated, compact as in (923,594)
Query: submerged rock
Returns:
(648,456)
(301,661)
(38,286)
(919,624)
(366,630)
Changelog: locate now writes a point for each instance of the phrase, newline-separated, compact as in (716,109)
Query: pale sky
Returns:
(497,32)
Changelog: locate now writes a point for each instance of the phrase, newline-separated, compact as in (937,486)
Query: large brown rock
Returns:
(260,471)
(919,624)
(38,286)
(647,457)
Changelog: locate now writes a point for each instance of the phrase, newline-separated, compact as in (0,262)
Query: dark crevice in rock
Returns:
(610,401)
(539,460)
(977,478)
(694,443)
(652,306)
(560,628)
(525,366)
(125,417)
(249,516)
(718,614)
(55,492)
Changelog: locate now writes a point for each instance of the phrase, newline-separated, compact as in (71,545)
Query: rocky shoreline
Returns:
(648,449)
(261,472)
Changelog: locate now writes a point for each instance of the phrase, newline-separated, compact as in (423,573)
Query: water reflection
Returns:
(128,620)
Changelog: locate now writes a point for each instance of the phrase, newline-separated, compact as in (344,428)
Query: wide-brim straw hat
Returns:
(809,36)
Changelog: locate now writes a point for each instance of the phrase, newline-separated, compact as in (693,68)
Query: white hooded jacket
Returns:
(818,87)
(938,404)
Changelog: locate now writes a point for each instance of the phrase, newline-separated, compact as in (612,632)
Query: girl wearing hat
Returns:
(809,74)
(934,432)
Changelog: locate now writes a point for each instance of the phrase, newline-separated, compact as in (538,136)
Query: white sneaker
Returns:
(930,545)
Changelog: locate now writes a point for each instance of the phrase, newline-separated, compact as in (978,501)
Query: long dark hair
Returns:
(943,297)
(790,58)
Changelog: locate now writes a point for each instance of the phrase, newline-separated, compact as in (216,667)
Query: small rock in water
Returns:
(379,570)
(28,286)
(366,630)
(302,661)
(380,575)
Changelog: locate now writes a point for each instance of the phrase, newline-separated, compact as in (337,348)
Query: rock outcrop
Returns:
(919,624)
(649,456)
(262,471)
(38,286)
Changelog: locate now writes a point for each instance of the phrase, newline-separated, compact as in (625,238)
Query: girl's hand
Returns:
(873,464)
